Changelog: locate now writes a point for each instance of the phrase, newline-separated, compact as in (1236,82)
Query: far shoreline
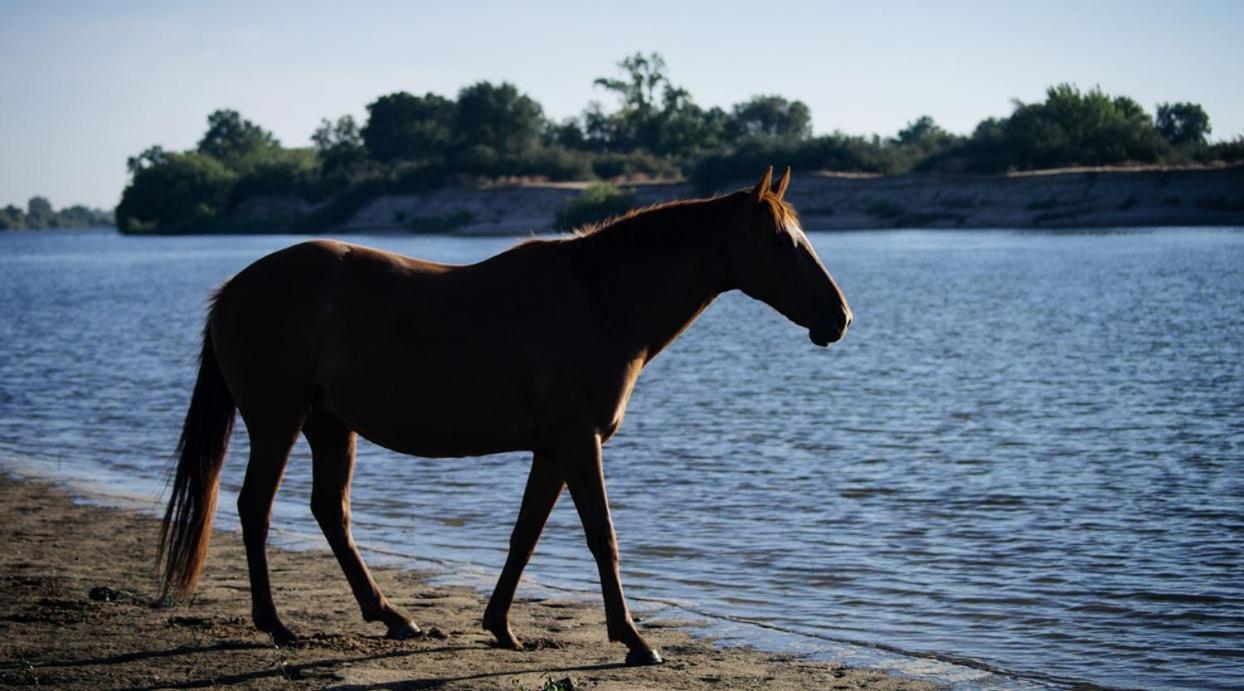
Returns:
(1035,200)
(1056,200)
(1059,199)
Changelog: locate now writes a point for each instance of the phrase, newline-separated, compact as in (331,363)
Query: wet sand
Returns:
(78,609)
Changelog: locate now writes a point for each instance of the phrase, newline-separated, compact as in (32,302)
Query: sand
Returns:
(78,609)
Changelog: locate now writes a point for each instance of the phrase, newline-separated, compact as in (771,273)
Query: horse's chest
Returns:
(614,398)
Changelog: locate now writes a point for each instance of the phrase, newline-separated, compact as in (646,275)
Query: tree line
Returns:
(653,130)
(40,214)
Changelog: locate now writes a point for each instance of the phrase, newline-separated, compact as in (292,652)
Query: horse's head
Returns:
(771,260)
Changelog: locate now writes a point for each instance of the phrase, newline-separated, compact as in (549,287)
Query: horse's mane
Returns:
(609,225)
(662,225)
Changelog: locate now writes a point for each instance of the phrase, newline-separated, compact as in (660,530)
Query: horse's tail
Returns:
(196,476)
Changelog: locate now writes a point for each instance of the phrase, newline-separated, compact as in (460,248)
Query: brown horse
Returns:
(535,349)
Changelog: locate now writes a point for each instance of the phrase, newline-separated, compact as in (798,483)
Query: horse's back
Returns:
(438,360)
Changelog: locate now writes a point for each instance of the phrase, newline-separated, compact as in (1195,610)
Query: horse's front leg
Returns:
(544,486)
(584,473)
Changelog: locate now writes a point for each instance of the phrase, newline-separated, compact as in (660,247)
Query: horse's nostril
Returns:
(850,318)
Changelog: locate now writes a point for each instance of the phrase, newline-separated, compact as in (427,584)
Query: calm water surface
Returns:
(1027,455)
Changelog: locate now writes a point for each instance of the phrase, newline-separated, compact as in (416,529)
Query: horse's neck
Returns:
(655,293)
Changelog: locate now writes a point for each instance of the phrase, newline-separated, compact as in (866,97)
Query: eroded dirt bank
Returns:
(1078,199)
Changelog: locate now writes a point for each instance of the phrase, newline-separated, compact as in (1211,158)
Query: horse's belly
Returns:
(449,422)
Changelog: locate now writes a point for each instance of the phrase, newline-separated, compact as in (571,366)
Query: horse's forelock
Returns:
(784,216)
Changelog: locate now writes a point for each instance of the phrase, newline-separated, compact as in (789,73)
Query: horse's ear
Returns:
(765,183)
(783,184)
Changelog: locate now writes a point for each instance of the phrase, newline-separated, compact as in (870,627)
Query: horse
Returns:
(534,349)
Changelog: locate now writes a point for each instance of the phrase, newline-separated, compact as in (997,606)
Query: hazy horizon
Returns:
(86,86)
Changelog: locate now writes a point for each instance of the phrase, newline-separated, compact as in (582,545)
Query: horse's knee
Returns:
(252,515)
(522,544)
(604,548)
(329,512)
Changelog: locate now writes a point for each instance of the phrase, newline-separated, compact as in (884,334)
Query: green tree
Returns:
(920,139)
(1183,124)
(919,130)
(1080,128)
(284,173)
(185,192)
(338,145)
(152,155)
(771,116)
(402,127)
(653,113)
(79,216)
(568,133)
(39,213)
(498,116)
(644,94)
(12,218)
(1071,127)
(1129,108)
(600,129)
(643,86)
(685,130)
(234,140)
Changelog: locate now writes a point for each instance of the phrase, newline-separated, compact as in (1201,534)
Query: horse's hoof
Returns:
(506,638)
(643,658)
(404,631)
(284,638)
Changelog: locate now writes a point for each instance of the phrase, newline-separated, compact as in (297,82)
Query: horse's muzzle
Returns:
(825,335)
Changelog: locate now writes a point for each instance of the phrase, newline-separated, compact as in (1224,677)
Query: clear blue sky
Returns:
(85,84)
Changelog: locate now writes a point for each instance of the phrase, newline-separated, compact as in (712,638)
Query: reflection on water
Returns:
(1026,453)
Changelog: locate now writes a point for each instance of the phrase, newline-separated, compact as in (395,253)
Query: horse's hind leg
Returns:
(270,446)
(332,454)
(544,486)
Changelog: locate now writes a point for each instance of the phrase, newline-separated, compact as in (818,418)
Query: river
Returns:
(1027,456)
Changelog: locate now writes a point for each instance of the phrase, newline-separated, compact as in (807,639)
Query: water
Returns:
(1027,455)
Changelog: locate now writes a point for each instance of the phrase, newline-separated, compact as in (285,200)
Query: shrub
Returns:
(635,164)
(412,178)
(832,152)
(598,202)
(1231,151)
(558,164)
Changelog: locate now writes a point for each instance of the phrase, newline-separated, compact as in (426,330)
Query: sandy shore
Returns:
(77,594)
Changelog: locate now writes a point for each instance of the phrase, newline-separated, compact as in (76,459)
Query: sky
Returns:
(85,84)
